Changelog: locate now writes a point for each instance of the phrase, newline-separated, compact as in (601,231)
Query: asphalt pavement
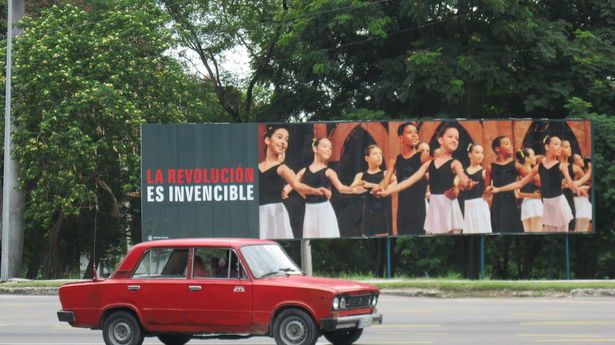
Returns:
(31,320)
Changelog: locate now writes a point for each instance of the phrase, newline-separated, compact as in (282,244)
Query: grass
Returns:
(440,284)
(485,285)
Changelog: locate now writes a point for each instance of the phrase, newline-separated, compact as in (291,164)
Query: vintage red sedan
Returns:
(218,288)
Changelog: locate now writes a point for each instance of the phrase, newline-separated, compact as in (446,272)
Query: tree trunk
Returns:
(52,268)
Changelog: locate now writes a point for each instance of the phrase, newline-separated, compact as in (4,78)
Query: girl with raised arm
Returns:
(444,215)
(320,220)
(557,213)
(411,204)
(477,218)
(274,222)
(531,207)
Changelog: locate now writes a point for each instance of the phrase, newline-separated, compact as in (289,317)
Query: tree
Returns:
(87,80)
(445,58)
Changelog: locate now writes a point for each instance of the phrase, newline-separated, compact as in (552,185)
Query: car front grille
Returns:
(361,301)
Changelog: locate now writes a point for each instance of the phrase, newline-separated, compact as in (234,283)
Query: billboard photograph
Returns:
(367,179)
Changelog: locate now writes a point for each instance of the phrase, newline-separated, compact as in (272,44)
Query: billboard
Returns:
(366,179)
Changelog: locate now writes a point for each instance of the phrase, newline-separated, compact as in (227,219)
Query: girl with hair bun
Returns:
(505,215)
(581,203)
(320,220)
(531,207)
(375,217)
(274,222)
(477,219)
(557,213)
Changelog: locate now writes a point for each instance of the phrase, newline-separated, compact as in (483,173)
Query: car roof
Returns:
(197,242)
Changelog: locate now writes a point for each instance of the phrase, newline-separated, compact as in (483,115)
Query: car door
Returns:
(159,287)
(220,297)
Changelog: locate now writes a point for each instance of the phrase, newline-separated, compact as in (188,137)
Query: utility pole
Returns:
(12,199)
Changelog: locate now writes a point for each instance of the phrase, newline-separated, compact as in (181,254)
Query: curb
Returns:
(29,291)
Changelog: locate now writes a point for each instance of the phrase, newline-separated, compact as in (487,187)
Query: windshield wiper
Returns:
(286,270)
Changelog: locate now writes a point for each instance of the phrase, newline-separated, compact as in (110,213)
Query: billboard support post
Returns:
(388,257)
(482,257)
(306,257)
(567,248)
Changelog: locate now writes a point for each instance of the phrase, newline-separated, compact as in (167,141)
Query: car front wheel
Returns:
(344,336)
(174,339)
(294,327)
(122,328)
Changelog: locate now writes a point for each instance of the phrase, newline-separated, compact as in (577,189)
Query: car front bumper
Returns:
(358,321)
(66,316)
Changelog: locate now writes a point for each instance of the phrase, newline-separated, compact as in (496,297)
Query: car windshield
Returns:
(267,260)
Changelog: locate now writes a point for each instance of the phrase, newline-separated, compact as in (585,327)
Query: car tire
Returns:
(174,339)
(344,336)
(122,328)
(295,327)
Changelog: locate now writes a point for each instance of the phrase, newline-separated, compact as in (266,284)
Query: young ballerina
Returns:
(375,216)
(477,218)
(582,203)
(411,208)
(505,215)
(557,213)
(274,222)
(444,215)
(320,220)
(531,206)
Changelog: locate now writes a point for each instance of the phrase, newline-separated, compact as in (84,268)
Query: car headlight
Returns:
(342,302)
(336,303)
(374,300)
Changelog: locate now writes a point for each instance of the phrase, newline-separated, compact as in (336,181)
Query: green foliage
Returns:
(86,81)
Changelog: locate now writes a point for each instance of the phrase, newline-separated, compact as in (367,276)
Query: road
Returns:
(31,320)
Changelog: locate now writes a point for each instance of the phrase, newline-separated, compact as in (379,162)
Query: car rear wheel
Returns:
(344,336)
(294,327)
(174,339)
(122,328)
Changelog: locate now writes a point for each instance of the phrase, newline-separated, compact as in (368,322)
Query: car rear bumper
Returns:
(360,321)
(66,316)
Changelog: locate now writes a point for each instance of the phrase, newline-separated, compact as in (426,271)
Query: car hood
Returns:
(335,286)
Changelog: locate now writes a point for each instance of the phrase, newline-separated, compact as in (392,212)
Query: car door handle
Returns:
(194,288)
(133,287)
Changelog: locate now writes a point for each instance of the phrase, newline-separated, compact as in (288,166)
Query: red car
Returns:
(218,288)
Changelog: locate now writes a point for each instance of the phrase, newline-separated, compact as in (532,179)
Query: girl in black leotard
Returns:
(320,220)
(532,207)
(274,222)
(557,213)
(444,215)
(477,218)
(581,203)
(505,215)
(411,208)
(376,219)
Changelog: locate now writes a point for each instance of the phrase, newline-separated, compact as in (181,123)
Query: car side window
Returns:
(221,263)
(163,263)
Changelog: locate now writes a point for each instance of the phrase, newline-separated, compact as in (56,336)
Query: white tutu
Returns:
(443,215)
(274,222)
(477,217)
(531,208)
(557,212)
(583,207)
(320,221)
